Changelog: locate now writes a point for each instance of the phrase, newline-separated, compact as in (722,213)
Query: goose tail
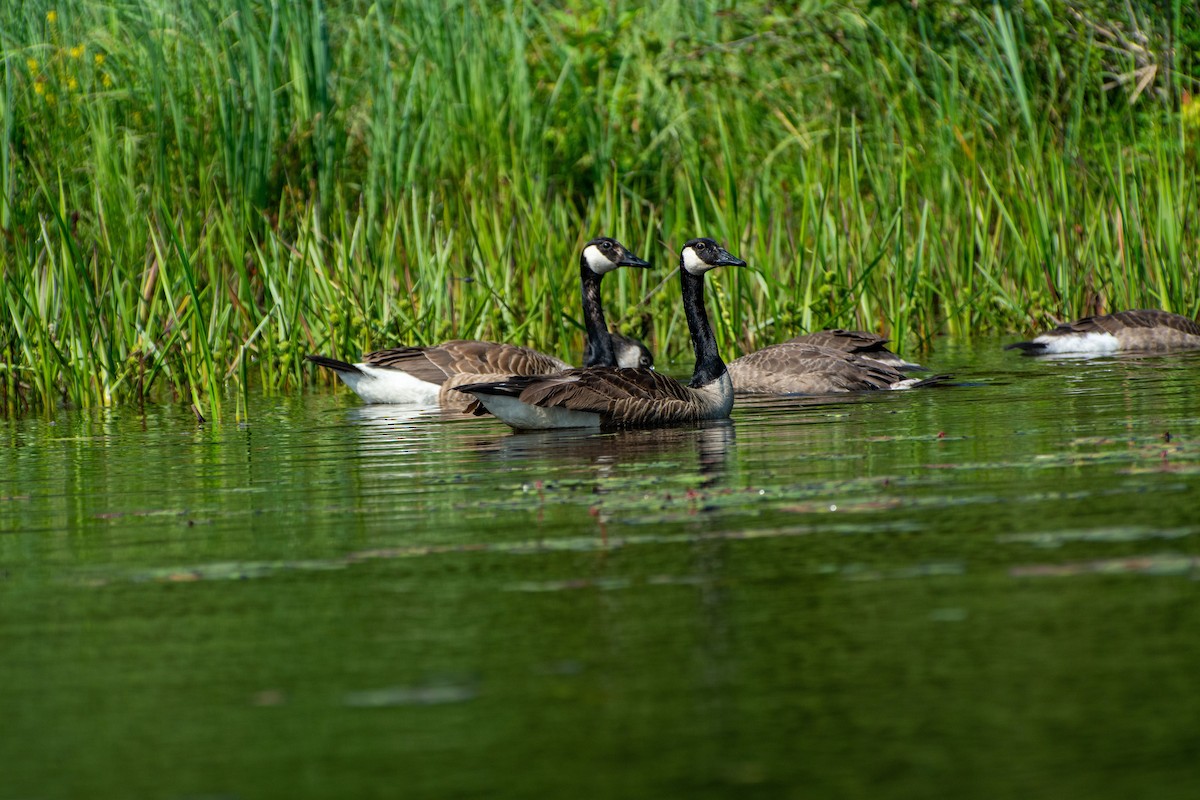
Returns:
(1027,348)
(335,365)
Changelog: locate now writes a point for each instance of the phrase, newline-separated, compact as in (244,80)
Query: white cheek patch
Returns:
(628,356)
(694,263)
(597,262)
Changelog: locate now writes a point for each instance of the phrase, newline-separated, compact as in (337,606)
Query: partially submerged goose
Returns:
(612,398)
(1144,330)
(860,343)
(428,375)
(800,367)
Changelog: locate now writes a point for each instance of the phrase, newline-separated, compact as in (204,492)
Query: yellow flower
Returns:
(72,85)
(106,79)
(99,59)
(77,51)
(1190,111)
(32,63)
(52,17)
(39,87)
(50,98)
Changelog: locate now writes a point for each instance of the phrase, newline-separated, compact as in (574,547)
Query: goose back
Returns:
(436,363)
(803,368)
(861,343)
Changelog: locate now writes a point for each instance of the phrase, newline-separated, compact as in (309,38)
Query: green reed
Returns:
(194,196)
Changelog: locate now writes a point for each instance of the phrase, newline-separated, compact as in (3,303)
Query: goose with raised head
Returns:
(859,343)
(804,368)
(612,398)
(427,375)
(1140,330)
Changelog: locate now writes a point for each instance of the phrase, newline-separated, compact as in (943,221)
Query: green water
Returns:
(986,590)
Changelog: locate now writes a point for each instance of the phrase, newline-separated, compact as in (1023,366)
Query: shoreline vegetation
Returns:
(194,196)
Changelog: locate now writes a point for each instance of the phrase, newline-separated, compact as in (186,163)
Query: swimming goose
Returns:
(860,343)
(427,375)
(630,352)
(799,367)
(1145,330)
(612,398)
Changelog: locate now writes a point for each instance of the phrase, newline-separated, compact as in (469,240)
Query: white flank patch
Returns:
(597,261)
(694,263)
(1079,343)
(526,417)
(390,386)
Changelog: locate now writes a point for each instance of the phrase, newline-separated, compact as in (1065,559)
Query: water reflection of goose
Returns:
(384,415)
(427,375)
(711,442)
(385,429)
(611,398)
(1141,330)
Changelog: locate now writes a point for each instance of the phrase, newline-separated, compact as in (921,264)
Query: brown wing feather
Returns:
(860,343)
(595,389)
(841,339)
(800,368)
(620,396)
(465,357)
(413,360)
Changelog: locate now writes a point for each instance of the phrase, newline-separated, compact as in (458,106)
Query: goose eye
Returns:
(701,246)
(607,245)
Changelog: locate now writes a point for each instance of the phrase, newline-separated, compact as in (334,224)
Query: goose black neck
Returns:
(709,365)
(598,350)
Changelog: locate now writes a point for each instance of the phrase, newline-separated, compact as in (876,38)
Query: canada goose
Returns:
(427,375)
(612,398)
(860,343)
(803,368)
(1145,330)
(630,352)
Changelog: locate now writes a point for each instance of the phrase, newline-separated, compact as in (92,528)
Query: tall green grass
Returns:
(193,196)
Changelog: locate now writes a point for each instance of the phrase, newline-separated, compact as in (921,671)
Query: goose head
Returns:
(631,353)
(604,254)
(700,255)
